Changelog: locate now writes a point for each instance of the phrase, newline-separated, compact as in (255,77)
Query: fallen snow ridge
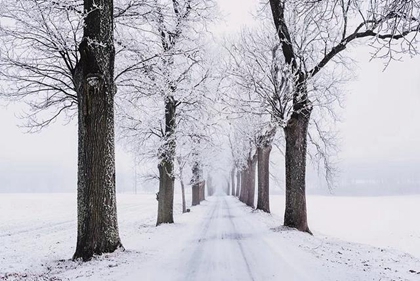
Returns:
(219,240)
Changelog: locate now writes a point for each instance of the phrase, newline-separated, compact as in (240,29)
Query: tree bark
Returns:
(238,183)
(181,179)
(296,148)
(252,163)
(97,230)
(195,194)
(263,201)
(210,185)
(232,180)
(166,165)
(184,205)
(243,197)
(202,188)
(196,180)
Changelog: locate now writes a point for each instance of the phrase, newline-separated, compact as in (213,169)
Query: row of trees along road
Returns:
(292,76)
(147,58)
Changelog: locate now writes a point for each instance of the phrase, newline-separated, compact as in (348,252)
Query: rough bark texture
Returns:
(296,145)
(252,163)
(238,183)
(263,201)
(97,230)
(166,166)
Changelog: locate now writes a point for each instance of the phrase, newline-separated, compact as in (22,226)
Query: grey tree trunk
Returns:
(238,183)
(195,194)
(263,201)
(252,163)
(232,180)
(202,188)
(97,229)
(184,206)
(210,185)
(196,184)
(181,179)
(166,166)
(243,197)
(296,148)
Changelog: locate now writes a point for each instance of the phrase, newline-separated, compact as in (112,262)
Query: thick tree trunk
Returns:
(296,148)
(232,180)
(252,162)
(166,166)
(97,230)
(166,193)
(263,201)
(238,183)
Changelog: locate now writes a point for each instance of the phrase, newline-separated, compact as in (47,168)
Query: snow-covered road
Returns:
(227,244)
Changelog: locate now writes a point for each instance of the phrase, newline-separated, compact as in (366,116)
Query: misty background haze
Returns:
(379,135)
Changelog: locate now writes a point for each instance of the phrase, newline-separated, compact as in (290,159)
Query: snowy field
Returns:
(219,240)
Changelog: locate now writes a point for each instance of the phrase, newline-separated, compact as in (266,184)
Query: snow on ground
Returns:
(219,240)
(385,221)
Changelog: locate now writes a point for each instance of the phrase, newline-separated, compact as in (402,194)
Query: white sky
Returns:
(381,123)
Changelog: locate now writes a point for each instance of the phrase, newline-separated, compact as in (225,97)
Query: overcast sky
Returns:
(380,124)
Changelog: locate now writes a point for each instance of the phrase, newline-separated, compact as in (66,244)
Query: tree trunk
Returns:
(202,189)
(166,166)
(263,201)
(166,193)
(238,183)
(210,185)
(210,190)
(232,179)
(195,194)
(196,184)
(184,206)
(244,190)
(296,145)
(181,179)
(97,230)
(252,162)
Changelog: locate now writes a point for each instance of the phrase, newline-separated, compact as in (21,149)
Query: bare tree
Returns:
(94,78)
(165,85)
(254,69)
(314,34)
(59,58)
